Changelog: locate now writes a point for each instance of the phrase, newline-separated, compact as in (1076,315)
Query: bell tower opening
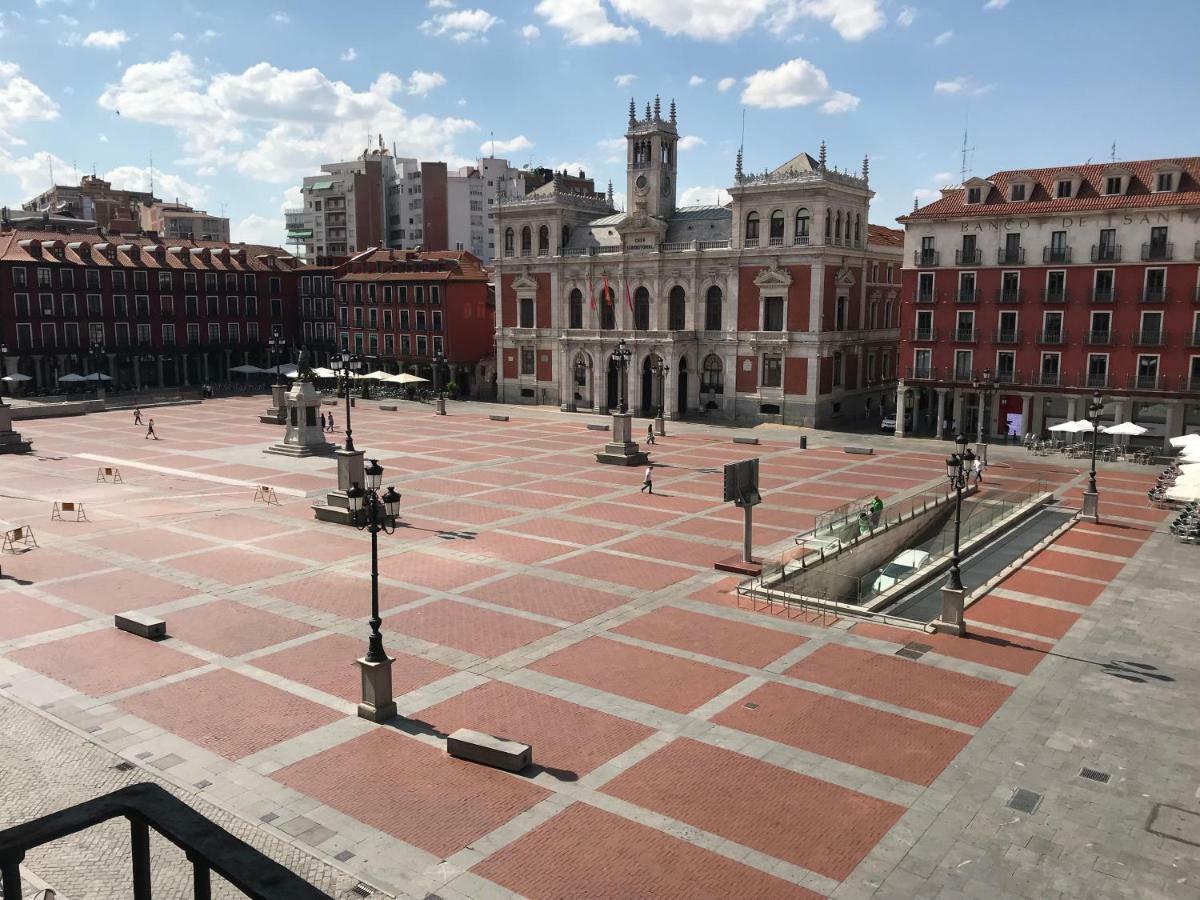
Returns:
(652,145)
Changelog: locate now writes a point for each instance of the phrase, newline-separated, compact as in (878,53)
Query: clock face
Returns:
(641,183)
(666,185)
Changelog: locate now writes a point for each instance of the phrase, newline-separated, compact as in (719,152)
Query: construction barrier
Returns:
(22,536)
(107,473)
(70,507)
(266,495)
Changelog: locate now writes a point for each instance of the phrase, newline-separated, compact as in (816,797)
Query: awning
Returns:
(318,186)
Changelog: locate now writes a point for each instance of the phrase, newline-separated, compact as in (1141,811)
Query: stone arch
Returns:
(677,309)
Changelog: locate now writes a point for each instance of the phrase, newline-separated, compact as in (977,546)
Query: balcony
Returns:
(1106,253)
(1103,295)
(1053,295)
(1094,380)
(1150,337)
(1006,337)
(1008,377)
(775,241)
(1194,339)
(1010,256)
(1154,295)
(1009,295)
(923,334)
(1052,336)
(1147,383)
(800,240)
(926,258)
(921,373)
(750,242)
(543,251)
(967,257)
(1046,379)
(1100,338)
(963,335)
(926,297)
(1157,251)
(1056,255)
(964,295)
(963,375)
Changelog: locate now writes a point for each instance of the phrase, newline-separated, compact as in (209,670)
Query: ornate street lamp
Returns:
(375,513)
(958,466)
(439,361)
(985,386)
(96,353)
(621,357)
(661,370)
(278,344)
(1091,497)
(347,365)
(3,368)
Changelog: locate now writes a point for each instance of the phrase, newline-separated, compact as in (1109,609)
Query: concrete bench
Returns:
(859,451)
(141,624)
(327,401)
(387,407)
(598,426)
(745,440)
(475,746)
(496,418)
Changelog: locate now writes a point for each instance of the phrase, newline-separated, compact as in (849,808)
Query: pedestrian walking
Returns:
(137,416)
(331,425)
(977,469)
(648,483)
(650,434)
(876,510)
(322,421)
(150,431)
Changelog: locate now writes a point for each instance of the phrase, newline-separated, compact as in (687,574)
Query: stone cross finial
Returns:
(821,156)
(914,202)
(632,112)
(672,110)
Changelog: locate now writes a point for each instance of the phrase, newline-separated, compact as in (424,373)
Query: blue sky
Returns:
(237,101)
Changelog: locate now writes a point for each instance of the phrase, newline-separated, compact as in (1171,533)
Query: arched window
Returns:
(752,230)
(676,309)
(543,241)
(641,309)
(887,314)
(712,376)
(801,236)
(777,228)
(847,228)
(575,312)
(712,309)
(608,317)
(566,239)
(508,242)
(874,273)
(857,229)
(526,241)
(828,223)
(873,314)
(837,227)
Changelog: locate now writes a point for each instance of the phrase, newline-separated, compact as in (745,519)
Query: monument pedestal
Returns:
(441,406)
(951,620)
(377,703)
(277,414)
(622,450)
(336,507)
(11,441)
(660,426)
(303,436)
(1091,506)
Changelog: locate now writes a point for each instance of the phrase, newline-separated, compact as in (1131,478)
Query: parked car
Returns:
(888,423)
(900,568)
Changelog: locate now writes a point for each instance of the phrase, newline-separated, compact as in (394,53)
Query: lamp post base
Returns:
(951,620)
(660,426)
(377,703)
(441,406)
(1091,506)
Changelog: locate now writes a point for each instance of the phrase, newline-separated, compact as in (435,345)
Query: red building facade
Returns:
(1048,285)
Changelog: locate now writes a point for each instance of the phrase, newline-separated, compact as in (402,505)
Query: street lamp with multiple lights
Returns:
(278,344)
(1091,497)
(958,468)
(439,361)
(985,386)
(373,512)
(347,365)
(661,370)
(621,358)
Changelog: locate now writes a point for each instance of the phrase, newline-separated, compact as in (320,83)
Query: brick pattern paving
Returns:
(710,636)
(103,662)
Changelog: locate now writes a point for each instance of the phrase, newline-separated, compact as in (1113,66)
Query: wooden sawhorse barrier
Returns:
(15,537)
(107,473)
(266,494)
(70,507)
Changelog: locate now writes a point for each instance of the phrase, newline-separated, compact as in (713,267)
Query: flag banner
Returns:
(591,292)
(606,294)
(628,296)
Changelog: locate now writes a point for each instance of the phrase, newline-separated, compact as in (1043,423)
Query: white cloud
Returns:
(852,19)
(29,172)
(995,4)
(961,86)
(618,199)
(178,36)
(695,81)
(514,145)
(102,138)
(349,55)
(281,17)
(926,195)
(941,179)
(624,80)
(531,32)
(705,195)
(421,83)
(719,20)
(441,4)
(166,185)
(725,84)
(584,22)
(69,21)
(208,34)
(256,229)
(462,25)
(795,83)
(571,168)
(614,149)
(905,17)
(21,101)
(943,38)
(105,40)
(690,142)
(278,124)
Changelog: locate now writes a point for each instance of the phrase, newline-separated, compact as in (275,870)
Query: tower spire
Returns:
(657,108)
(866,169)
(610,193)
(821,156)
(737,169)
(914,202)
(672,110)
(647,109)
(632,112)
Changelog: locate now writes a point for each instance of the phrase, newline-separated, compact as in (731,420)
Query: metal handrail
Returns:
(209,847)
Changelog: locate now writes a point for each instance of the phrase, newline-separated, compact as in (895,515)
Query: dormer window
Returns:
(1063,189)
(1017,192)
(1112,184)
(1164,181)
(973,195)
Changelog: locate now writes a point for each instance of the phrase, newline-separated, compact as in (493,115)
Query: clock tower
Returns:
(652,143)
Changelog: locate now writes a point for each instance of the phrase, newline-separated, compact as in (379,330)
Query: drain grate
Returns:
(1023,800)
(913,650)
(1094,775)
(123,766)
(361,890)
(750,705)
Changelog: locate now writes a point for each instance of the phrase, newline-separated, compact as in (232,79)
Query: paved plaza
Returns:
(684,745)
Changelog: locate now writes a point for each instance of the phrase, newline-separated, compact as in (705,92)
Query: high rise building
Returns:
(93,199)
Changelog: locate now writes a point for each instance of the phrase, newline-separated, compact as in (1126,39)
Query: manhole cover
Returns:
(1025,801)
(751,705)
(123,766)
(1175,823)
(913,650)
(1094,775)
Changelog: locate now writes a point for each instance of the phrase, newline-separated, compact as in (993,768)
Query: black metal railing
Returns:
(1007,377)
(1052,336)
(1154,295)
(962,375)
(1157,250)
(925,258)
(926,296)
(965,295)
(1052,295)
(921,373)
(1100,337)
(1047,379)
(1106,252)
(923,334)
(1006,337)
(208,846)
(1147,383)
(1009,295)
(1056,254)
(1150,337)
(1094,380)
(1010,256)
(967,257)
(963,335)
(1104,295)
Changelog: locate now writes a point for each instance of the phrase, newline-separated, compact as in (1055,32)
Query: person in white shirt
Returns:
(648,484)
(977,470)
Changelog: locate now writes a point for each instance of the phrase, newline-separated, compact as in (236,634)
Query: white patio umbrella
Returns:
(377,375)
(1125,428)
(405,378)
(96,376)
(16,376)
(1068,427)
(322,372)
(1186,440)
(1184,491)
(1083,425)
(71,376)
(249,369)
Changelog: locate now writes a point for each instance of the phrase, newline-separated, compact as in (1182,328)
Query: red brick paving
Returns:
(1130,532)
(24,616)
(711,636)
(655,678)
(566,530)
(641,516)
(989,648)
(85,662)
(903,682)
(412,791)
(624,570)
(469,513)
(442,573)
(46,563)
(1074,564)
(1078,539)
(870,738)
(556,599)
(731,531)
(118,591)
(669,549)
(587,852)
(237,527)
(230,565)
(480,631)
(1053,587)
(342,593)
(227,713)
(232,629)
(565,736)
(811,823)
(1027,617)
(327,664)
(521,499)
(330,548)
(515,549)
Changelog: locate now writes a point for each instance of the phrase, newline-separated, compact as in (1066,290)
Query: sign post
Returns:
(741,487)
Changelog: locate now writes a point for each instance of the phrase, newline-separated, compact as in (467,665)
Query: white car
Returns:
(900,568)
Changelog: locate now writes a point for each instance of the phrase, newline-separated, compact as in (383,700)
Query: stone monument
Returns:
(11,441)
(622,450)
(277,413)
(336,507)
(303,435)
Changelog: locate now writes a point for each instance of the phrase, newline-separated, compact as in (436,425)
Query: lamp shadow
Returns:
(421,727)
(1140,673)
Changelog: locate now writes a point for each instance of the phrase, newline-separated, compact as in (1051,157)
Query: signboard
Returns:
(741,482)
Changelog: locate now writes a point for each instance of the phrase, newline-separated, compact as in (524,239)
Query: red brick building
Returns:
(403,308)
(1055,283)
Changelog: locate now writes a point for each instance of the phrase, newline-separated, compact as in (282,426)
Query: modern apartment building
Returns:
(93,199)
(1039,287)
(178,220)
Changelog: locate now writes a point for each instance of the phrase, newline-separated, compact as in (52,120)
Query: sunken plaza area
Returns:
(684,745)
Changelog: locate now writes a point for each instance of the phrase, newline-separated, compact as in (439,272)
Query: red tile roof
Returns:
(394,265)
(81,250)
(888,237)
(1139,191)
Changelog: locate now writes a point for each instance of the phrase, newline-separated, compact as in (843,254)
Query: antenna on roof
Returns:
(1114,152)
(151,173)
(50,161)
(964,169)
(74,168)
(493,134)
